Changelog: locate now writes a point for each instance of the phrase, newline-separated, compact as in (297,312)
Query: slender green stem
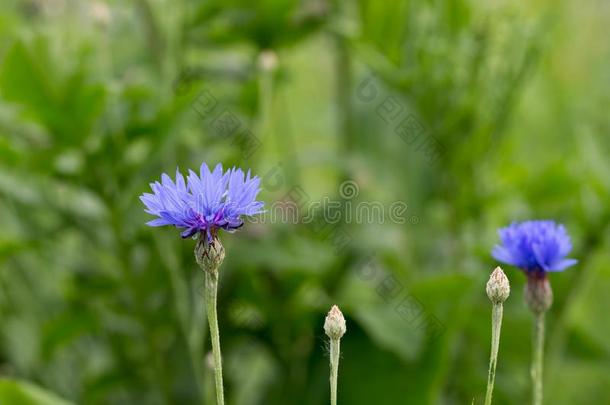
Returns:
(496,327)
(335,350)
(344,91)
(537,361)
(211,292)
(154,37)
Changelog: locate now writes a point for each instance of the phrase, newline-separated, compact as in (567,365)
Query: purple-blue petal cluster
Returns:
(534,246)
(205,202)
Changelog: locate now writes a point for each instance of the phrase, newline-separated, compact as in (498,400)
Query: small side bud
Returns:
(209,253)
(334,325)
(538,293)
(498,287)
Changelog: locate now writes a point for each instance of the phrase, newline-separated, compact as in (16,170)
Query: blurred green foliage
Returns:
(19,392)
(97,98)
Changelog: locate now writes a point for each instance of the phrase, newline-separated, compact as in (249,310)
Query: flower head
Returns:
(535,247)
(206,202)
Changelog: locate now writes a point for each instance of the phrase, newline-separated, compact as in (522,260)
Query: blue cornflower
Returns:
(205,202)
(535,247)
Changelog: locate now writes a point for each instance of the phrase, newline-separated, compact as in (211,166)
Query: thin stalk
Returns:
(153,33)
(344,90)
(335,349)
(538,356)
(496,326)
(211,293)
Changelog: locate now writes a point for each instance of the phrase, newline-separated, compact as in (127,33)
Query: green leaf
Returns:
(66,104)
(364,300)
(25,393)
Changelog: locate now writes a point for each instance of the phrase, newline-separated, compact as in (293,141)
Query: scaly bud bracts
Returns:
(209,253)
(538,293)
(334,325)
(498,287)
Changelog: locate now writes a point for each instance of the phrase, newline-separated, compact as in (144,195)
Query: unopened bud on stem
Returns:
(498,287)
(334,325)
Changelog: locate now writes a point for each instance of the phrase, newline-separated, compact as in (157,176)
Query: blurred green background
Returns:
(97,98)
